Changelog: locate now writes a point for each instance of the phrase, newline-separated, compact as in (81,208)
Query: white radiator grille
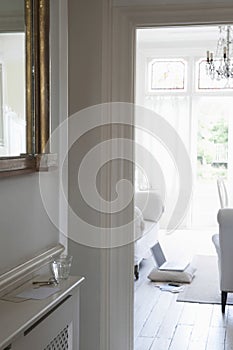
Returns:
(60,342)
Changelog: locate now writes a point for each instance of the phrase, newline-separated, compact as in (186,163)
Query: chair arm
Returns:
(225,220)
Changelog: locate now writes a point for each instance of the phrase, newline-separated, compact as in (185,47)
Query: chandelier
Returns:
(220,65)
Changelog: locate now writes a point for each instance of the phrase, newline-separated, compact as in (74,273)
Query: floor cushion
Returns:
(185,276)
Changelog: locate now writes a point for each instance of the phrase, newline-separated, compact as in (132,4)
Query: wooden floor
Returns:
(161,323)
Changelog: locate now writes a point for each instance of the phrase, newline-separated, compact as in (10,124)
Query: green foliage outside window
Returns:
(212,148)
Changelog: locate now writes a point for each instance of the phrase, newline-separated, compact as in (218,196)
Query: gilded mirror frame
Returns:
(37,20)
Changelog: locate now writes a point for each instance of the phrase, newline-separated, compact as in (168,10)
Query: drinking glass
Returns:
(61,267)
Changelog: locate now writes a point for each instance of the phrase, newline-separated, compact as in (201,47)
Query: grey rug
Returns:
(205,286)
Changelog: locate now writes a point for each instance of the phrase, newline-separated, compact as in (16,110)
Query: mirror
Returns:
(12,94)
(24,84)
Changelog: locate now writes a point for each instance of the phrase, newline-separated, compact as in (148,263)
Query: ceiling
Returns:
(194,36)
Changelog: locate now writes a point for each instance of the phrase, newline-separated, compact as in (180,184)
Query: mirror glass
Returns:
(12,94)
(12,78)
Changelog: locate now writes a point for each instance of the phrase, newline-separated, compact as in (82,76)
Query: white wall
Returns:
(85,33)
(25,229)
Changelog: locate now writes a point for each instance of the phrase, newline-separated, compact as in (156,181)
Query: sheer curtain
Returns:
(175,109)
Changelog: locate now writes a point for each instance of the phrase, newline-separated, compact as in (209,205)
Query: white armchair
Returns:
(224,246)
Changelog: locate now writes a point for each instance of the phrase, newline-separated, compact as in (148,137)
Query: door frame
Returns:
(118,68)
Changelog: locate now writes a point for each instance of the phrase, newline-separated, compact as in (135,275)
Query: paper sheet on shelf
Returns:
(38,293)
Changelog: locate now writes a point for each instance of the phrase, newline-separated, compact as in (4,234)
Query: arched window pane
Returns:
(167,75)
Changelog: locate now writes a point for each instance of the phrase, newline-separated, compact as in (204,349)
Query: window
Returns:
(204,82)
(167,74)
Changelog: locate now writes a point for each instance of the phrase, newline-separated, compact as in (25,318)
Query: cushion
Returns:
(185,276)
(150,203)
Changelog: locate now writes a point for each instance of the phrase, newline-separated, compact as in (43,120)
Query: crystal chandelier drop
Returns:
(220,65)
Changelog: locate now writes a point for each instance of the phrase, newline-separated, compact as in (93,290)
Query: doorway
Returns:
(171,80)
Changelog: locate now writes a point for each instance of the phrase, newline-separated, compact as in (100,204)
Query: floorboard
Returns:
(160,344)
(143,343)
(163,324)
(181,338)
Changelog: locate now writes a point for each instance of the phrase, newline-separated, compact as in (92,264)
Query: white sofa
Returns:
(149,208)
(224,246)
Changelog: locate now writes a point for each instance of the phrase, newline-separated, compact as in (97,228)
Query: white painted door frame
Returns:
(119,29)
